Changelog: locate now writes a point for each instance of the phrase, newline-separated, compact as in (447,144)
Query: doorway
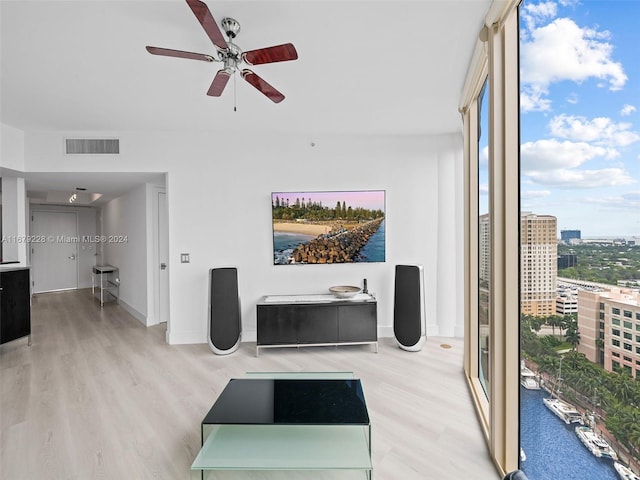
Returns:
(54,251)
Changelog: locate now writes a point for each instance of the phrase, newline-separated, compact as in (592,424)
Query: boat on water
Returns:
(563,410)
(624,472)
(528,379)
(597,445)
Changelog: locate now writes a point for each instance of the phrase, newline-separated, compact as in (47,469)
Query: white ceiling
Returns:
(365,67)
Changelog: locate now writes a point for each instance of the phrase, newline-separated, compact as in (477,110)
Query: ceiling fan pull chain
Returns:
(234,93)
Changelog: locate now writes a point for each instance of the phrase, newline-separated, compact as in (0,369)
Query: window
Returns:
(495,70)
(560,111)
(484,242)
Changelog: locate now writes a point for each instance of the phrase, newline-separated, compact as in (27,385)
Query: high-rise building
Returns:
(538,263)
(567,235)
(483,253)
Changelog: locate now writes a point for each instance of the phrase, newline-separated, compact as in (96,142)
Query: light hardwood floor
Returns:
(99,396)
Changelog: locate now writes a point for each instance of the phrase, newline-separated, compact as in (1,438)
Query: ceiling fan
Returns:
(230,54)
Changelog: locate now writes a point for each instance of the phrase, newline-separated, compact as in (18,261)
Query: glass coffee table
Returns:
(287,422)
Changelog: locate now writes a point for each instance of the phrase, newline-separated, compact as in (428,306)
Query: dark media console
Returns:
(316,320)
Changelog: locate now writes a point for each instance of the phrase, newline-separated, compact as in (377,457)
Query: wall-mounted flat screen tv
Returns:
(328,227)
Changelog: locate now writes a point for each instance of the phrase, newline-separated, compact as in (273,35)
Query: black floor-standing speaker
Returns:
(225,327)
(409,321)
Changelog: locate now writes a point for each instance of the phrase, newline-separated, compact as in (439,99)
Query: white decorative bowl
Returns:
(344,291)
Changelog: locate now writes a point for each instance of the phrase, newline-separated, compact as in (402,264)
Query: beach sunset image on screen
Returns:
(328,227)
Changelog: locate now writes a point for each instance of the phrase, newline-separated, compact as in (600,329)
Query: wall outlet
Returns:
(184,258)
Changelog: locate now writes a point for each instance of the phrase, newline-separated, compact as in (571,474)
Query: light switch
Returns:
(184,258)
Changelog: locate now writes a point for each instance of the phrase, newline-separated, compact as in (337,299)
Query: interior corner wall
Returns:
(450,314)
(219,209)
(125,244)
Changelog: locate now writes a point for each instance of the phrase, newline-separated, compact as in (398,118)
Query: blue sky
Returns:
(580,114)
(580,118)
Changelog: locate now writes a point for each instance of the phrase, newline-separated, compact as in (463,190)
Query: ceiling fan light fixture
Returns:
(230,26)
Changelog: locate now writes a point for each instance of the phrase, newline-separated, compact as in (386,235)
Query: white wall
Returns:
(218,191)
(125,245)
(14,218)
(11,148)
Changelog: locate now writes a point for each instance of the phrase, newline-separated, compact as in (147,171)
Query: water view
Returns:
(284,243)
(373,251)
(552,448)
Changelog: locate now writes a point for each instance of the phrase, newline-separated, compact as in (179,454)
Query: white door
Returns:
(163,249)
(54,251)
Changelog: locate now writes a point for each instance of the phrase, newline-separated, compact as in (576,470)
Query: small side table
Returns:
(105,285)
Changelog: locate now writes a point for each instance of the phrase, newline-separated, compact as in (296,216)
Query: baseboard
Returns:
(134,313)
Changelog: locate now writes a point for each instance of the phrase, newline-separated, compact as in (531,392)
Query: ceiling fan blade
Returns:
(270,92)
(168,52)
(218,84)
(278,53)
(203,14)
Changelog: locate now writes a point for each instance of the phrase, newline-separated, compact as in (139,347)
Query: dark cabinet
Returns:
(15,304)
(320,322)
(359,323)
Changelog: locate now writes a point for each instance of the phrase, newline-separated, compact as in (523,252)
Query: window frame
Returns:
(496,58)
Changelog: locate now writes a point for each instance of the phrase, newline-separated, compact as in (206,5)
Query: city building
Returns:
(566,304)
(568,235)
(483,248)
(538,264)
(567,260)
(609,325)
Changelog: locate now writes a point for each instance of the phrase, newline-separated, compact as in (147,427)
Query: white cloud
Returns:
(627,110)
(483,156)
(572,98)
(561,50)
(534,14)
(627,201)
(531,101)
(600,131)
(579,179)
(533,194)
(543,155)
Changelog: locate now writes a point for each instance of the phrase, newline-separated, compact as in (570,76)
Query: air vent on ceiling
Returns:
(90,146)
